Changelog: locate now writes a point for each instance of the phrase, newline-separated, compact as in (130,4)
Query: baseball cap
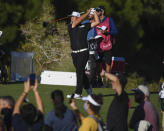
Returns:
(91,100)
(100,8)
(74,13)
(144,89)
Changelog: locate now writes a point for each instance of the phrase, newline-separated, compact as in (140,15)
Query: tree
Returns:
(12,14)
(47,39)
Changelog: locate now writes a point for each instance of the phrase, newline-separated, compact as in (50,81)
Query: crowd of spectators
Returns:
(24,116)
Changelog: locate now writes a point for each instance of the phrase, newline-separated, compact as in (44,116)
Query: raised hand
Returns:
(27,86)
(35,86)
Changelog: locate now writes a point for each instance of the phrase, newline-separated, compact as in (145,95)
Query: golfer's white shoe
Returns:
(74,96)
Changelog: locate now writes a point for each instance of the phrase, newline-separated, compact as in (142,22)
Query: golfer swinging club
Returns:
(80,54)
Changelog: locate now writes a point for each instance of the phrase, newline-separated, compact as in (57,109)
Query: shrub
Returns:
(134,80)
(47,38)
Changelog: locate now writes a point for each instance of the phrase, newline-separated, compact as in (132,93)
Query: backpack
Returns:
(101,125)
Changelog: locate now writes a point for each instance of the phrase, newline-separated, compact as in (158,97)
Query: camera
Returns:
(32,79)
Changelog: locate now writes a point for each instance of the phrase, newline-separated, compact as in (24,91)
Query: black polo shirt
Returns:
(78,35)
(118,113)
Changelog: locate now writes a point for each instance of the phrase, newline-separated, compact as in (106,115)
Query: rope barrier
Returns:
(154,92)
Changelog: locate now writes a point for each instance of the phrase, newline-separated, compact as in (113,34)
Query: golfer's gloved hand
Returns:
(92,11)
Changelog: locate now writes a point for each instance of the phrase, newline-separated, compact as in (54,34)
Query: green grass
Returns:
(45,90)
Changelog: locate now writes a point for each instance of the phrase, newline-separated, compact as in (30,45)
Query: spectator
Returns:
(1,103)
(78,35)
(92,105)
(60,118)
(107,30)
(27,117)
(7,104)
(1,119)
(144,111)
(118,110)
(161,94)
(1,125)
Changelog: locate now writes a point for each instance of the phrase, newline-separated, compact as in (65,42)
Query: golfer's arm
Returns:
(96,22)
(81,18)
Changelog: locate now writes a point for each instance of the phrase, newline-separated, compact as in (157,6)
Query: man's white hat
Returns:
(144,89)
(76,14)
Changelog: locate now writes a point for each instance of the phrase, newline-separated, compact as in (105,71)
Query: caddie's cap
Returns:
(100,8)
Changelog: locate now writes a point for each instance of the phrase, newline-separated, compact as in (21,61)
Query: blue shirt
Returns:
(68,123)
(92,32)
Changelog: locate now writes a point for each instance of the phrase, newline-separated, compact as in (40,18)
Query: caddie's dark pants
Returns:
(79,60)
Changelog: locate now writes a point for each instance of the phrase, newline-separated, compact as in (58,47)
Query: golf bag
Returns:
(91,67)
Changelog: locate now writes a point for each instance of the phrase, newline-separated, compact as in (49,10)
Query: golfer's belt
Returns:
(81,50)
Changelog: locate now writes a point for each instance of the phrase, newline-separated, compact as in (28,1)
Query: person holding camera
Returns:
(27,117)
(78,39)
